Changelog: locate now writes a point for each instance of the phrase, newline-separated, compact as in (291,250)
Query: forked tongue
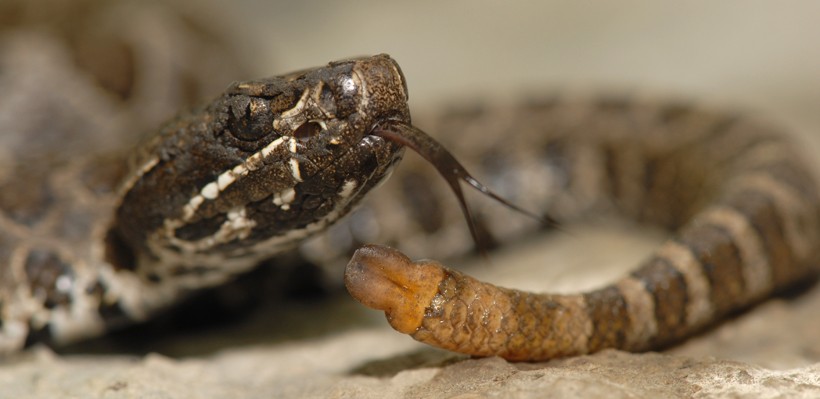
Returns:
(450,169)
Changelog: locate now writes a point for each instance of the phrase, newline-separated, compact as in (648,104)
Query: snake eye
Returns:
(309,129)
(249,119)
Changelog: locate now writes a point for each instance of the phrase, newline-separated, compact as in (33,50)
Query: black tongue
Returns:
(450,169)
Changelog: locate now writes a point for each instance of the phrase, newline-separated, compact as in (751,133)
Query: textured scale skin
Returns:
(80,82)
(102,226)
(743,209)
(218,190)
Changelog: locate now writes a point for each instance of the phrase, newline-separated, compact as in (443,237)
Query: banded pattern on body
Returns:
(93,239)
(82,83)
(744,210)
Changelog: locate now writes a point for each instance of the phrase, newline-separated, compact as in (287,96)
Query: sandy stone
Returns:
(738,53)
(284,372)
(769,352)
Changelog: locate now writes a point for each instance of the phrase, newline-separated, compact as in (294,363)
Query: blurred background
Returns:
(127,65)
(756,55)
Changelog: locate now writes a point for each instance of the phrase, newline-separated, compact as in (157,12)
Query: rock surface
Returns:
(750,54)
(337,349)
(306,372)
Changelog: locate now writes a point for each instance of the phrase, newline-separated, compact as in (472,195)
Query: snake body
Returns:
(93,239)
(742,207)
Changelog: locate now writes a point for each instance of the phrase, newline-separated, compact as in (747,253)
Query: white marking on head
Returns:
(349,86)
(347,188)
(300,105)
(147,166)
(287,240)
(240,170)
(210,191)
(190,208)
(141,171)
(357,83)
(237,226)
(224,180)
(272,146)
(294,170)
(238,221)
(292,146)
(288,195)
(284,198)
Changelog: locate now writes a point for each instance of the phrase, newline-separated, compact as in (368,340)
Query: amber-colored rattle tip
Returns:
(383,278)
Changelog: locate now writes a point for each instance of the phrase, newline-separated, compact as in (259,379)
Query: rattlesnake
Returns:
(90,241)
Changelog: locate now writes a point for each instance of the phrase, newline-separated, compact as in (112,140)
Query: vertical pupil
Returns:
(250,118)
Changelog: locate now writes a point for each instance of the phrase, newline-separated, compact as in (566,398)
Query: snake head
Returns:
(265,165)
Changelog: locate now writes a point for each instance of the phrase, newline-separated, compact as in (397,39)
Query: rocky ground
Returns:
(754,55)
(334,348)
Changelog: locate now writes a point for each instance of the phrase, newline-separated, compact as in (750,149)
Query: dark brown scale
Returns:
(610,319)
(720,262)
(759,208)
(118,253)
(668,289)
(201,228)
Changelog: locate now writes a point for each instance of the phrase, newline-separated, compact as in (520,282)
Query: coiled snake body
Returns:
(274,161)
